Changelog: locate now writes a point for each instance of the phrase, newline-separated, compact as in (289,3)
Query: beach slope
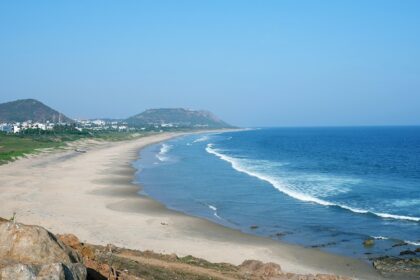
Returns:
(91,194)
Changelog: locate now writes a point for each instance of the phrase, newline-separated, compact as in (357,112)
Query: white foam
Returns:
(201,139)
(406,241)
(282,187)
(162,155)
(380,237)
(214,211)
(412,243)
(212,208)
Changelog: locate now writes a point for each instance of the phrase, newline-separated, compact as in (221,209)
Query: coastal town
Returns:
(89,125)
(97,125)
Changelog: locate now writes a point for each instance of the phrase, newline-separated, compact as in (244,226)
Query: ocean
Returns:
(326,188)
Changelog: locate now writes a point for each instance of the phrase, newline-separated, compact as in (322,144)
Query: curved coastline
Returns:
(93,196)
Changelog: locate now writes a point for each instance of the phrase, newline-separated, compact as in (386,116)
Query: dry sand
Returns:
(92,195)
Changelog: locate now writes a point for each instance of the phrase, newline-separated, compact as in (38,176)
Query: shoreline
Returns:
(93,196)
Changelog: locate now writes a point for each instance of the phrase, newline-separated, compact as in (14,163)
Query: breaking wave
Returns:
(201,139)
(162,155)
(214,209)
(238,165)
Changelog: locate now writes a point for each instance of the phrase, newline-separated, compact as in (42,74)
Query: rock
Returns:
(72,241)
(61,271)
(55,271)
(392,265)
(258,268)
(417,250)
(172,257)
(253,227)
(33,244)
(407,252)
(330,277)
(32,252)
(399,244)
(17,271)
(368,242)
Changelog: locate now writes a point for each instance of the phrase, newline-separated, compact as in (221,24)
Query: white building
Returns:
(5,127)
(98,122)
(16,128)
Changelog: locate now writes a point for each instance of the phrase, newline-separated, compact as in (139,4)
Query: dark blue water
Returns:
(329,188)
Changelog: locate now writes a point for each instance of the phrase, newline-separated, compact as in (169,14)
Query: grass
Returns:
(13,146)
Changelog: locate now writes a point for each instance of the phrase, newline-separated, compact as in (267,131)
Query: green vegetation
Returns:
(30,109)
(32,141)
(177,117)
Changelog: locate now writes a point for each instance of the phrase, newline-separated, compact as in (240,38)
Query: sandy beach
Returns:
(92,195)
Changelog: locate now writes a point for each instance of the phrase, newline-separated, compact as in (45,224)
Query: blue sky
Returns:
(253,63)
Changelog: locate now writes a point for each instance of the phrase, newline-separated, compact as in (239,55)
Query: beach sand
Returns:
(92,195)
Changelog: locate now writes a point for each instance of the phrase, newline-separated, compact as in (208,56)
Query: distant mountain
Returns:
(30,109)
(178,117)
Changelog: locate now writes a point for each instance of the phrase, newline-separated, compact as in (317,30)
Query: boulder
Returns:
(395,266)
(258,268)
(55,271)
(407,252)
(73,242)
(368,242)
(32,252)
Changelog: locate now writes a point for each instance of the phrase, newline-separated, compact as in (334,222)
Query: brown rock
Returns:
(72,241)
(33,245)
(258,268)
(368,242)
(172,257)
(330,277)
(31,252)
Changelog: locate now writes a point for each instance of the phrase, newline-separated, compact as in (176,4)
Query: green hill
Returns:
(30,109)
(177,117)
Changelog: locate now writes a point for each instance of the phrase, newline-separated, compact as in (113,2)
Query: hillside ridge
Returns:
(179,117)
(30,109)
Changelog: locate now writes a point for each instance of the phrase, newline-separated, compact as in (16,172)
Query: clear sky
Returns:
(253,63)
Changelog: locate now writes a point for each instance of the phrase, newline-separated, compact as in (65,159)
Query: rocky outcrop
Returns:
(258,268)
(252,269)
(127,264)
(391,266)
(32,252)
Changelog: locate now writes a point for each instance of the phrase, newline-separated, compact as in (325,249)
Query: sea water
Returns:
(327,188)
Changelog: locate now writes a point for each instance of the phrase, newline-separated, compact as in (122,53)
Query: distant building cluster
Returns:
(92,125)
(97,125)
(16,127)
(103,125)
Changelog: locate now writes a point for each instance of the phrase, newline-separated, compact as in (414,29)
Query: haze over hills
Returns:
(30,109)
(179,117)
